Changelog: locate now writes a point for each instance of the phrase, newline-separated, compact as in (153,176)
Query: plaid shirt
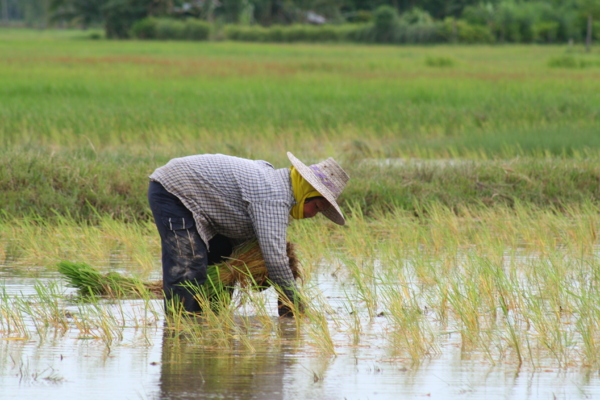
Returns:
(238,198)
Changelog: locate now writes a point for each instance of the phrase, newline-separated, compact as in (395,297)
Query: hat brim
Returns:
(333,213)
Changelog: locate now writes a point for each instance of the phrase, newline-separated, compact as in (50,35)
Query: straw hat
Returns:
(329,179)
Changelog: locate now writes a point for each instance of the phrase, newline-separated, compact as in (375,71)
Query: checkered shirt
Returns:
(238,198)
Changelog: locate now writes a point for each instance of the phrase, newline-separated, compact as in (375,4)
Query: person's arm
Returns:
(270,221)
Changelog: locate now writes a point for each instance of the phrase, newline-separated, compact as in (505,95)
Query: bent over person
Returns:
(203,203)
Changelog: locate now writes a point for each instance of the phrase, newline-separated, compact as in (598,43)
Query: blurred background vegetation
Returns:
(391,21)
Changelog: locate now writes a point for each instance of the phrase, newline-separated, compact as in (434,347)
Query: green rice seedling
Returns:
(587,324)
(83,319)
(176,317)
(364,282)
(317,326)
(41,326)
(12,320)
(50,305)
(354,322)
(107,326)
(312,244)
(215,326)
(409,330)
(259,307)
(465,303)
(44,310)
(91,282)
(545,329)
(509,304)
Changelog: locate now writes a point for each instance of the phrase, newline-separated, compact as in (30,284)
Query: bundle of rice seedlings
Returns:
(91,282)
(245,267)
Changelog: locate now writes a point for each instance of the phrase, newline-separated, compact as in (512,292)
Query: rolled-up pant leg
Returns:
(184,254)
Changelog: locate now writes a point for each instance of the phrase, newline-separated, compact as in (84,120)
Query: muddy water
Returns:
(147,362)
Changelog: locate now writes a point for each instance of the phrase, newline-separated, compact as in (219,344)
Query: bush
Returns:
(474,33)
(458,30)
(232,32)
(324,33)
(196,29)
(416,16)
(95,35)
(357,33)
(464,32)
(290,34)
(246,33)
(144,28)
(296,33)
(275,34)
(385,19)
(120,15)
(565,62)
(170,29)
(421,33)
(545,31)
(439,61)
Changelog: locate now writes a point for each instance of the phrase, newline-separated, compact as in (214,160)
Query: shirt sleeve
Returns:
(270,219)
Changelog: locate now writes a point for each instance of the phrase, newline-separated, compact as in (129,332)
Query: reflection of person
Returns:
(192,371)
(201,203)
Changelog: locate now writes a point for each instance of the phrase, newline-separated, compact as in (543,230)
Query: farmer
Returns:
(202,203)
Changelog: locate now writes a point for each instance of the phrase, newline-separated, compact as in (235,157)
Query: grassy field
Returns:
(473,205)
(397,101)
(85,121)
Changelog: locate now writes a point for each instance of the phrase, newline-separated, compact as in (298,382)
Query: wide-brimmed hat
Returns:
(329,179)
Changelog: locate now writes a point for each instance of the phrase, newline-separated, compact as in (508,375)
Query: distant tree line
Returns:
(493,20)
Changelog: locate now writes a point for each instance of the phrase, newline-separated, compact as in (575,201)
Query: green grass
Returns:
(222,96)
(84,122)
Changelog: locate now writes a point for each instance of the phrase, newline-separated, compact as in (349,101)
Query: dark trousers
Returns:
(185,258)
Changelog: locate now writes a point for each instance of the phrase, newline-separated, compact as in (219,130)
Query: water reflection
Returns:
(189,371)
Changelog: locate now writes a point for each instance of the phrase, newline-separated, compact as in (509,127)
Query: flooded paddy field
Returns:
(150,362)
(439,309)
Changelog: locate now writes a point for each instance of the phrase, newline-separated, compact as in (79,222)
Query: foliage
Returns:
(524,22)
(79,12)
(289,34)
(170,29)
(196,29)
(120,15)
(144,28)
(91,282)
(399,21)
(416,16)
(385,21)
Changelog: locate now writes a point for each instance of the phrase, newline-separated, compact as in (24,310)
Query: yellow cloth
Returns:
(302,191)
